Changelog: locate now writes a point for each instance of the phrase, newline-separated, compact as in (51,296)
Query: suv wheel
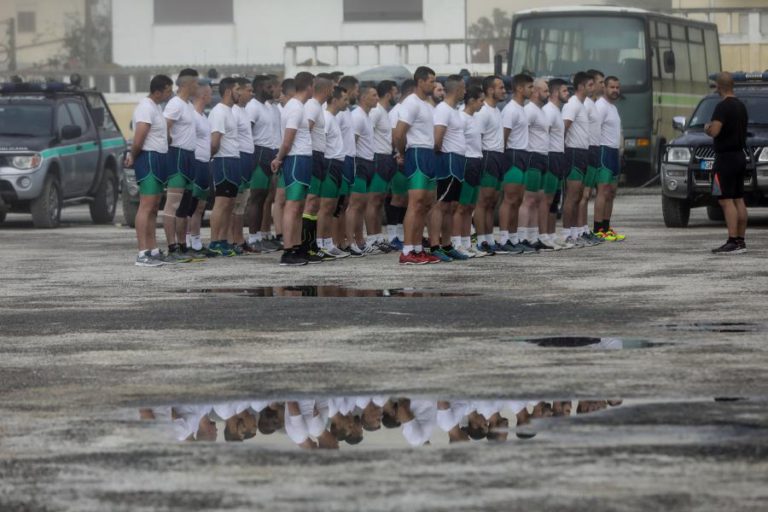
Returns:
(676,212)
(105,202)
(46,209)
(3,213)
(130,209)
(714,212)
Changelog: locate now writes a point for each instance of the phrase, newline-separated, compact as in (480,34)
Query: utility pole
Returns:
(11,44)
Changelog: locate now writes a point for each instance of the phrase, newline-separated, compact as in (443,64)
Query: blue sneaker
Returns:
(396,244)
(222,249)
(456,255)
(513,248)
(441,255)
(486,248)
(501,249)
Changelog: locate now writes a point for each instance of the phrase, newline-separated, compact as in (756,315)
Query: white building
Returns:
(255,32)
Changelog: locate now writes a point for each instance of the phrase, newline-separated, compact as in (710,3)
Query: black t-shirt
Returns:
(733,135)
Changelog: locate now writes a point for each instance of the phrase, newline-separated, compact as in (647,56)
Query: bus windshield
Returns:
(561,46)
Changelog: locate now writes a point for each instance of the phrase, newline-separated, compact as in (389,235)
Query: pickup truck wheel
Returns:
(3,213)
(105,202)
(676,212)
(714,212)
(46,209)
(130,209)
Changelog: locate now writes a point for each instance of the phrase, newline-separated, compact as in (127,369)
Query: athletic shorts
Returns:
(517,163)
(247,162)
(348,175)
(494,167)
(226,169)
(451,165)
(151,165)
(728,174)
(319,165)
(201,185)
(609,169)
(384,169)
(593,164)
(555,173)
(448,189)
(420,167)
(363,176)
(262,173)
(399,184)
(227,189)
(181,167)
(334,179)
(534,172)
(297,175)
(470,189)
(576,164)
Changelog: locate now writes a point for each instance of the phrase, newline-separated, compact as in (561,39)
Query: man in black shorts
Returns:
(728,128)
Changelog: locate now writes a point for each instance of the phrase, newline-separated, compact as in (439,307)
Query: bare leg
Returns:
(146,219)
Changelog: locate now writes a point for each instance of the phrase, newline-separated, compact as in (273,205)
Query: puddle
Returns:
(592,343)
(721,327)
(323,291)
(372,422)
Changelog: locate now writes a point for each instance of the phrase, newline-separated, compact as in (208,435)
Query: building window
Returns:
(194,12)
(740,24)
(393,10)
(26,22)
(764,23)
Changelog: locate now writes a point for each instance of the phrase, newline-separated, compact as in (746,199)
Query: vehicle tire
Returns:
(714,212)
(46,209)
(130,209)
(105,202)
(676,212)
(3,213)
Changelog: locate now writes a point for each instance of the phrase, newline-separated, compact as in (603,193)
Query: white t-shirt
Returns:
(595,126)
(182,113)
(363,128)
(513,117)
(347,132)
(577,136)
(489,123)
(223,121)
(262,120)
(610,121)
(419,429)
(417,113)
(334,144)
(203,138)
(449,418)
(453,140)
(294,118)
(472,135)
(382,130)
(147,111)
(277,115)
(244,131)
(314,112)
(556,128)
(538,129)
(394,116)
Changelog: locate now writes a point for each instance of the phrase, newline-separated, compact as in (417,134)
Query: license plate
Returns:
(706,165)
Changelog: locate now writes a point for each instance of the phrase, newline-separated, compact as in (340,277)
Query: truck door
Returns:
(65,154)
(87,150)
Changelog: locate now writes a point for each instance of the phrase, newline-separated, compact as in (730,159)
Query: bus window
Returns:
(655,61)
(698,62)
(678,32)
(663,30)
(712,50)
(695,35)
(682,61)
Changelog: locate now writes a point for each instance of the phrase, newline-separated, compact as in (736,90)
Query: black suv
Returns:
(686,169)
(59,145)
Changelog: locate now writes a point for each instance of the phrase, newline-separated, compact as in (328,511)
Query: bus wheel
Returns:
(676,212)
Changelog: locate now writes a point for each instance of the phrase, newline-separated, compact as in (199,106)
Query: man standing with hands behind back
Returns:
(728,128)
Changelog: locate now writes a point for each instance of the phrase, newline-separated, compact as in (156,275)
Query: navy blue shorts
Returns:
(384,166)
(226,169)
(335,171)
(181,161)
(247,163)
(319,165)
(420,160)
(537,162)
(556,165)
(451,165)
(349,169)
(517,158)
(363,170)
(609,159)
(473,171)
(151,163)
(576,161)
(494,165)
(594,157)
(202,175)
(297,169)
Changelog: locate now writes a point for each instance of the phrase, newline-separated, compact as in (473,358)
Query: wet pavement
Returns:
(95,356)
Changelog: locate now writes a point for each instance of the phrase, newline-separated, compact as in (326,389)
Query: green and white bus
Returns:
(663,63)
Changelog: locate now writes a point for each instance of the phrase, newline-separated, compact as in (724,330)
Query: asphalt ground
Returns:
(87,338)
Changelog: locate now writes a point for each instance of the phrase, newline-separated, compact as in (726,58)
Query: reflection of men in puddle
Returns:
(191,423)
(498,428)
(240,427)
(418,419)
(272,418)
(561,408)
(449,418)
(296,426)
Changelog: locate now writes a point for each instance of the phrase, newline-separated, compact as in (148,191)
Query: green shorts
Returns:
(360,186)
(280,180)
(296,192)
(533,180)
(590,180)
(378,185)
(420,181)
(259,180)
(399,184)
(550,183)
(469,194)
(314,186)
(151,186)
(178,180)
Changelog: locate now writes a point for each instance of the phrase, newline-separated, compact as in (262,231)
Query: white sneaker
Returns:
(474,252)
(335,252)
(371,250)
(464,252)
(562,243)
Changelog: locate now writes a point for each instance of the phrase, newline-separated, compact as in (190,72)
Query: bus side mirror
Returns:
(497,64)
(669,62)
(678,123)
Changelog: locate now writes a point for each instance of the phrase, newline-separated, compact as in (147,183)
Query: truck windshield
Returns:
(561,46)
(20,120)
(757,108)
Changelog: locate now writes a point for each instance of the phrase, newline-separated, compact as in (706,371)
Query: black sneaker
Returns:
(313,258)
(292,259)
(529,246)
(541,246)
(729,248)
(486,248)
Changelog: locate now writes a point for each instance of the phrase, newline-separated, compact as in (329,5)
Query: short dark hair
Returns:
(475,81)
(489,81)
(226,84)
(521,79)
(612,78)
(335,75)
(555,84)
(242,81)
(407,87)
(385,87)
(304,80)
(452,82)
(159,83)
(423,73)
(337,93)
(473,93)
(348,82)
(594,73)
(260,81)
(288,86)
(581,78)
(327,76)
(365,86)
(188,72)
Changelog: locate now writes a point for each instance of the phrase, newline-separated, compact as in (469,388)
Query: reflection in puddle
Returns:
(323,291)
(593,343)
(381,422)
(721,327)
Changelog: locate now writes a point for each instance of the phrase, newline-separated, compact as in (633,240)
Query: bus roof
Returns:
(605,9)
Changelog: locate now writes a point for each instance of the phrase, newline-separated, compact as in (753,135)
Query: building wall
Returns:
(254,39)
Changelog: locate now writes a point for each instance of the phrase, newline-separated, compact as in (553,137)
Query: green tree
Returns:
(490,32)
(88,41)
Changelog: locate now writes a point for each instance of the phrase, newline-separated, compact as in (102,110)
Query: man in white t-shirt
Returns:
(384,168)
(344,117)
(399,185)
(148,157)
(593,162)
(246,147)
(576,123)
(287,91)
(295,158)
(180,117)
(558,96)
(414,137)
(225,150)
(451,146)
(610,160)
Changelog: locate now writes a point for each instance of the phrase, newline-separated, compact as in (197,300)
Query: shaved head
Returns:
(724,81)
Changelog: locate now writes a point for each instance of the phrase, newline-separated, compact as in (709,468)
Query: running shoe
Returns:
(730,248)
(441,255)
(177,257)
(396,244)
(486,248)
(146,259)
(274,243)
(383,246)
(292,259)
(501,249)
(577,242)
(619,237)
(467,252)
(543,246)
(456,254)
(475,252)
(237,249)
(473,239)
(528,247)
(594,239)
(429,258)
(222,249)
(370,250)
(313,258)
(250,248)
(354,253)
(335,253)
(587,240)
(513,248)
(412,259)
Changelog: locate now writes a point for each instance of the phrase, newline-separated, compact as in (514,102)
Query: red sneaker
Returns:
(411,259)
(430,259)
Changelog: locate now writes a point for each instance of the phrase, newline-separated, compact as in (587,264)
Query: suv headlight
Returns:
(25,162)
(678,155)
(762,158)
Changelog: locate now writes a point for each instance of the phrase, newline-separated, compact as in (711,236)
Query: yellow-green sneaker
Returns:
(605,235)
(616,236)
